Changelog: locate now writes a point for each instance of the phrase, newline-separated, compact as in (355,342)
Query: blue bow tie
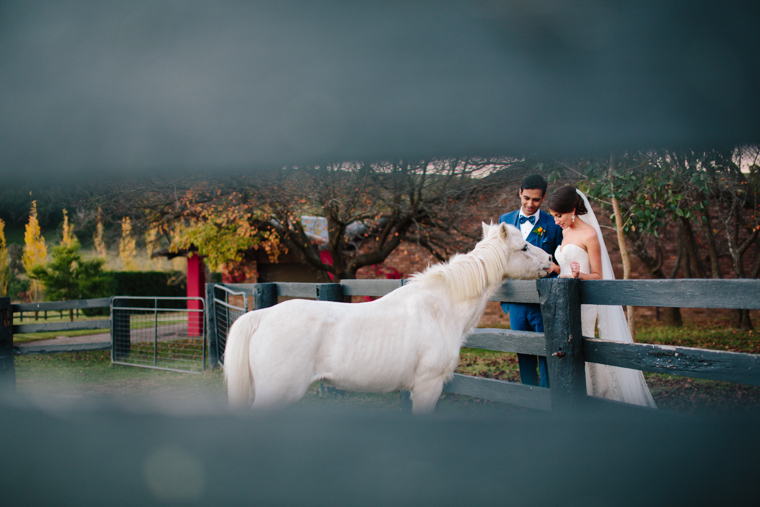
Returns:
(531,219)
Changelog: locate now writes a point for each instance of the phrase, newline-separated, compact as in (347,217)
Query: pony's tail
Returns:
(237,369)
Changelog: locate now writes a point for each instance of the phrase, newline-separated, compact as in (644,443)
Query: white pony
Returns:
(406,340)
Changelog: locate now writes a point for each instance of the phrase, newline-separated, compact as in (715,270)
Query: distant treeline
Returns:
(81,201)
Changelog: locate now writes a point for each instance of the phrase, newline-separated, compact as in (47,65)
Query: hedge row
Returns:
(149,283)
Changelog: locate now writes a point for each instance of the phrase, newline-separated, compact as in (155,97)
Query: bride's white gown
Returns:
(611,382)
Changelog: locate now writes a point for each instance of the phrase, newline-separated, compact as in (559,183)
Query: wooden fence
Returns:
(566,354)
(8,328)
(560,300)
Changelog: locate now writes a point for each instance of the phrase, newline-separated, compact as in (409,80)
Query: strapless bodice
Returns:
(566,254)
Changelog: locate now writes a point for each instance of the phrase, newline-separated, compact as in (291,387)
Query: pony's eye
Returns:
(525,248)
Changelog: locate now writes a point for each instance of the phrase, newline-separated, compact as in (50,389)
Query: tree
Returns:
(625,258)
(629,187)
(728,208)
(220,223)
(68,231)
(98,240)
(701,201)
(68,277)
(369,210)
(35,251)
(127,245)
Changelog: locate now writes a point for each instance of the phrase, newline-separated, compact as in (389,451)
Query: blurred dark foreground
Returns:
(110,454)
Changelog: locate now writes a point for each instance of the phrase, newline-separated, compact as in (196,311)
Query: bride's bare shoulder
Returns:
(589,236)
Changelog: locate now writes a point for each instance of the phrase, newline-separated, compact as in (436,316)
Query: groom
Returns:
(540,230)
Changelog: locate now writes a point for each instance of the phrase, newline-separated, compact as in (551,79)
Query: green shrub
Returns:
(68,276)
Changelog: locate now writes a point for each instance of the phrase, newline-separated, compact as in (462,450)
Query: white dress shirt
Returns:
(526,227)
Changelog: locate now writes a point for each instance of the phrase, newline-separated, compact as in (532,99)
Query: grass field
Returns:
(90,375)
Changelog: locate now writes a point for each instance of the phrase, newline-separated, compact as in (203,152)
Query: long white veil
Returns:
(613,326)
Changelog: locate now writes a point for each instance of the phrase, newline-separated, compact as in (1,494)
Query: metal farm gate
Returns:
(226,306)
(166,333)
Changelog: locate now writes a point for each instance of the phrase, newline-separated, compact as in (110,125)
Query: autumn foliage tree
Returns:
(35,250)
(127,245)
(369,210)
(68,230)
(220,223)
(98,239)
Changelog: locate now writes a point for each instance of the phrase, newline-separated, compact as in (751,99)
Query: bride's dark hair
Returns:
(565,200)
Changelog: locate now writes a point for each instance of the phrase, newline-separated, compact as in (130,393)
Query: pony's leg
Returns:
(281,371)
(269,394)
(277,397)
(425,394)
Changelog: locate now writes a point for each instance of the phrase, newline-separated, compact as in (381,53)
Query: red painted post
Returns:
(326,257)
(196,283)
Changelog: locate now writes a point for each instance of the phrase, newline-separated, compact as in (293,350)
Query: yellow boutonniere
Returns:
(540,231)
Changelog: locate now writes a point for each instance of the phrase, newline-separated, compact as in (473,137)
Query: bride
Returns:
(583,255)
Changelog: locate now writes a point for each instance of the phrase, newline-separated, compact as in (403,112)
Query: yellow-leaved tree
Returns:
(68,230)
(100,244)
(35,250)
(127,245)
(5,268)
(151,243)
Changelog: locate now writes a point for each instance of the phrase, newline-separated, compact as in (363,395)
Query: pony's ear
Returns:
(486,228)
(503,230)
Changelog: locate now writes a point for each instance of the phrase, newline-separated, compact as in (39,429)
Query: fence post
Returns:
(561,309)
(211,332)
(265,295)
(7,366)
(121,332)
(329,292)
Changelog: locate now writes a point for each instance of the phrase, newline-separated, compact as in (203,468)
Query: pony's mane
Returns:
(469,275)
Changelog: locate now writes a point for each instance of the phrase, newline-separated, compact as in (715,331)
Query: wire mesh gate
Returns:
(226,306)
(166,333)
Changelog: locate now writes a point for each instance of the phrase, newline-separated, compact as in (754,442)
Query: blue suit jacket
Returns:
(548,240)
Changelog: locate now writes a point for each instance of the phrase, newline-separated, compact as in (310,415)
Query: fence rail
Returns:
(59,306)
(684,361)
(62,305)
(682,293)
(77,325)
(560,300)
(185,338)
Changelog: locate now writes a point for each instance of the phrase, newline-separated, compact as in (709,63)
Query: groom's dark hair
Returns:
(534,181)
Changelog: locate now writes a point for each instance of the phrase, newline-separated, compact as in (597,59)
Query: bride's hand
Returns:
(575,269)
